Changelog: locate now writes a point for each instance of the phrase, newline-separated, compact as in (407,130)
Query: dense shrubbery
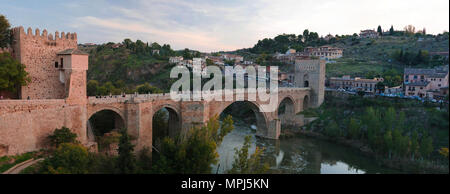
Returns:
(194,153)
(420,58)
(63,135)
(394,128)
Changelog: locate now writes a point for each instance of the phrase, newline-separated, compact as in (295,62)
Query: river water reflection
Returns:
(299,155)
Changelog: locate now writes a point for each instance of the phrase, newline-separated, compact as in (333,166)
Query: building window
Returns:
(56,64)
(62,63)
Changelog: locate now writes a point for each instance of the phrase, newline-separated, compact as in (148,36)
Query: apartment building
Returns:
(354,84)
(425,82)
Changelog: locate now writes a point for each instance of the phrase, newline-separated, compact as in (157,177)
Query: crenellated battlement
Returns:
(20,32)
(38,51)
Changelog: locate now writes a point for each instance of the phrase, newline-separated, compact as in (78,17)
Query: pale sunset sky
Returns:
(216,25)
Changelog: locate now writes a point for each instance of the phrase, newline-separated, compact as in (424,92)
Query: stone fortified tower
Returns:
(311,74)
(56,68)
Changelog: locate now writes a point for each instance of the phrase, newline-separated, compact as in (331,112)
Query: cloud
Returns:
(214,25)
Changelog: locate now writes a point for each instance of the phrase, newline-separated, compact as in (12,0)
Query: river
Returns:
(298,155)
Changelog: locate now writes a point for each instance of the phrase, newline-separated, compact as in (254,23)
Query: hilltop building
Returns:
(324,52)
(368,34)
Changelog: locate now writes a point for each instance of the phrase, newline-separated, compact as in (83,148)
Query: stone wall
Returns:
(25,124)
(38,53)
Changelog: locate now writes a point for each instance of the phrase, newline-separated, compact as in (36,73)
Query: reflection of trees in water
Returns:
(306,156)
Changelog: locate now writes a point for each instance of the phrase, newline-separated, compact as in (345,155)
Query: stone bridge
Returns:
(135,112)
(56,97)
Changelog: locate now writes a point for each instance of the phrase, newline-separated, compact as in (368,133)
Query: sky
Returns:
(220,25)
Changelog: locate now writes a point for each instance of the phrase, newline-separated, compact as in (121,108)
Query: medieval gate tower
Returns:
(311,74)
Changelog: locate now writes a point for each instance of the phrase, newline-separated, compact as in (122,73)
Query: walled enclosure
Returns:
(57,98)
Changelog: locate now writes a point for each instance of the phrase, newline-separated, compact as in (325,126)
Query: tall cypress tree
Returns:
(380,31)
(126,162)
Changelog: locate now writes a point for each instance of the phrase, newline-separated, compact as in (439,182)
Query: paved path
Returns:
(21,166)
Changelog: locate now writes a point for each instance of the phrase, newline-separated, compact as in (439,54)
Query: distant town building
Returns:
(397,90)
(328,37)
(236,58)
(425,82)
(175,60)
(354,84)
(324,52)
(368,34)
(89,44)
(290,51)
(117,45)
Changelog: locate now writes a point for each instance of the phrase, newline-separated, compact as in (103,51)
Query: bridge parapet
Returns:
(137,98)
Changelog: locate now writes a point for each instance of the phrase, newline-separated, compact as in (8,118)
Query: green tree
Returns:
(391,30)
(195,153)
(92,87)
(187,54)
(12,73)
(380,86)
(147,88)
(126,162)
(332,129)
(390,118)
(414,144)
(372,121)
(4,32)
(245,164)
(426,147)
(388,142)
(380,31)
(63,135)
(67,159)
(354,129)
(397,140)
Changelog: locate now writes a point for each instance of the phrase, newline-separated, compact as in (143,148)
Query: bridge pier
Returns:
(273,130)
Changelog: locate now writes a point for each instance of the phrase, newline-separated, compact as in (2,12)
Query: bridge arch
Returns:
(306,103)
(286,105)
(166,122)
(104,120)
(261,119)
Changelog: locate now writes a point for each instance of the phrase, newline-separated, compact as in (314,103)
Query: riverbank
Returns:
(403,165)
